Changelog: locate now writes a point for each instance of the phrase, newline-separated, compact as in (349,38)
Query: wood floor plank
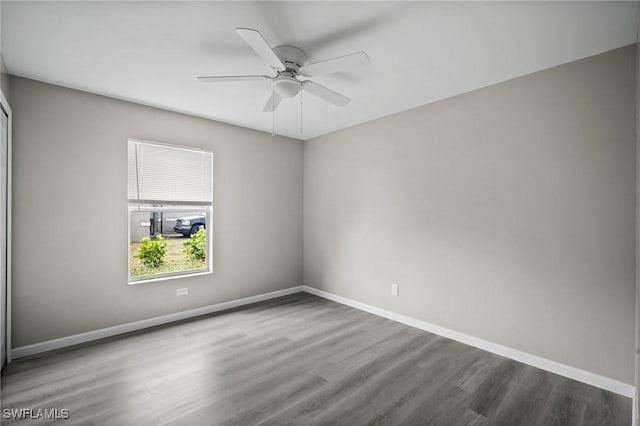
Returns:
(324,400)
(437,408)
(562,409)
(378,396)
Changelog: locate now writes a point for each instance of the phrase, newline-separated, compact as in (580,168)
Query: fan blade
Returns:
(325,94)
(342,63)
(224,78)
(272,103)
(262,48)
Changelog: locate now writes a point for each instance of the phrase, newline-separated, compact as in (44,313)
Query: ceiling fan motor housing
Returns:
(292,57)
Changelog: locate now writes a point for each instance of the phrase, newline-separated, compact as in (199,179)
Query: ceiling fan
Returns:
(289,63)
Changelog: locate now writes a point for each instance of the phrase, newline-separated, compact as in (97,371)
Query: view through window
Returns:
(170,203)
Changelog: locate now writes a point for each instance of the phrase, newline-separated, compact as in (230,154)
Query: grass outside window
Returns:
(175,259)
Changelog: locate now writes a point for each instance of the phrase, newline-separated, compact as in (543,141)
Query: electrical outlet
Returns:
(182,292)
(394,289)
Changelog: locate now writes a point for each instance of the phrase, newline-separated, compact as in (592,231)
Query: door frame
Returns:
(7,108)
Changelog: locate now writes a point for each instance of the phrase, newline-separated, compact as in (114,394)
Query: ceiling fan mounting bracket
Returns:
(292,57)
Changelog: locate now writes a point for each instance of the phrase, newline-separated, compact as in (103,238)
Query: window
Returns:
(170,204)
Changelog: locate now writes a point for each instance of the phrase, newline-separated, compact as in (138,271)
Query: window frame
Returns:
(173,206)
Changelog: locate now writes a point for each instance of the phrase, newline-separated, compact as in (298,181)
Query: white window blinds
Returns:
(161,174)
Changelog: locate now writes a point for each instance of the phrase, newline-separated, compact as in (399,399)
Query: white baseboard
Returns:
(587,377)
(62,342)
(533,360)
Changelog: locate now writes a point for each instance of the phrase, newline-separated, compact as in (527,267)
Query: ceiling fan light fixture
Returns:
(286,87)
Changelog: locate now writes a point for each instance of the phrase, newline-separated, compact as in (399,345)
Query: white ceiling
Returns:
(151,52)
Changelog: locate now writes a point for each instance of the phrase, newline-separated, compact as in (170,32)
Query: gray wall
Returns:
(70,187)
(4,78)
(4,73)
(637,354)
(506,213)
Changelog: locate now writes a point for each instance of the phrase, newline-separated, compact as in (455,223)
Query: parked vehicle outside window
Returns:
(189,225)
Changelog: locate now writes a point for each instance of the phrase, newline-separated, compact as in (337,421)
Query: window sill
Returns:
(169,277)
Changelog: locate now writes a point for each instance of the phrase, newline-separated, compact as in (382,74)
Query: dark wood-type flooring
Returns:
(299,360)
